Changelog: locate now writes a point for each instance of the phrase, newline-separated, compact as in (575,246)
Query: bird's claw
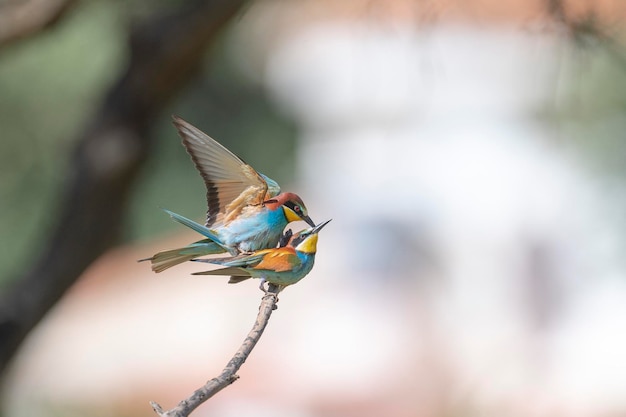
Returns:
(262,286)
(268,292)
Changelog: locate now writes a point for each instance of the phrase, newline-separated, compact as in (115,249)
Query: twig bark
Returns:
(229,374)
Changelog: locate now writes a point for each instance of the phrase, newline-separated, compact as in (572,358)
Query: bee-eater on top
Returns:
(246,210)
(280,266)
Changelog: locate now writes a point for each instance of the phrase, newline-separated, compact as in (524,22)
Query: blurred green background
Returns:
(52,83)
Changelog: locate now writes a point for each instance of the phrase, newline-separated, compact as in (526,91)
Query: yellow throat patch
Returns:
(309,245)
(291,215)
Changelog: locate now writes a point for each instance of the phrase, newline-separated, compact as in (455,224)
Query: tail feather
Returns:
(203,230)
(234,271)
(169,258)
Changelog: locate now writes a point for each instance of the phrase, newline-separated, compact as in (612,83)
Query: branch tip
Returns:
(157,408)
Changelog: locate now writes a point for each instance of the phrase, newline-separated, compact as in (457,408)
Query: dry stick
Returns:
(228,375)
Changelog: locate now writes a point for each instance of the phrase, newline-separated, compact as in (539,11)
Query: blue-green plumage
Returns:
(280,266)
(246,210)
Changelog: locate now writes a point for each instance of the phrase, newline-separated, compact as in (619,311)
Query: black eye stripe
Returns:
(299,239)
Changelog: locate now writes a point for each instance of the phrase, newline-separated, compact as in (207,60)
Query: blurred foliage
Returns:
(589,115)
(50,86)
(591,108)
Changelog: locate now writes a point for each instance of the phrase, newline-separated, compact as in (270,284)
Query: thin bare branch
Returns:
(229,374)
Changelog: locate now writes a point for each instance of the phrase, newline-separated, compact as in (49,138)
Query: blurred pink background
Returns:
(474,265)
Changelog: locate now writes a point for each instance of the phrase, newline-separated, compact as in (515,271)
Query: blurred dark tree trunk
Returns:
(165,53)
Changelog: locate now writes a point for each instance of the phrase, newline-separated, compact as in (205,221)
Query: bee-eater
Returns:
(280,266)
(246,210)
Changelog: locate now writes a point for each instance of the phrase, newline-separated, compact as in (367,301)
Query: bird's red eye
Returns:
(297,208)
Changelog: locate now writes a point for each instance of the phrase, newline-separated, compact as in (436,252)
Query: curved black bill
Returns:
(308,220)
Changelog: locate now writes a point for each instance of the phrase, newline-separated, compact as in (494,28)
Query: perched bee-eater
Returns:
(280,266)
(246,210)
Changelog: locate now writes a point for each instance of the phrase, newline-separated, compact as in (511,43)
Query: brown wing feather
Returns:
(231,183)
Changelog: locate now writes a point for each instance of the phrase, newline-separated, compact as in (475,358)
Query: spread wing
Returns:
(231,184)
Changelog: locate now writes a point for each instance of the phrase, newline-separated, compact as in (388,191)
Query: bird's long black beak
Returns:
(308,220)
(320,226)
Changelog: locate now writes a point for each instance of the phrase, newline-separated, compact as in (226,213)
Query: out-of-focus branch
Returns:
(579,28)
(586,30)
(165,53)
(21,19)
(229,374)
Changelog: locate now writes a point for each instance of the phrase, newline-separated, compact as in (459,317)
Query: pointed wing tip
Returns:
(209,272)
(170,213)
(181,125)
(236,279)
